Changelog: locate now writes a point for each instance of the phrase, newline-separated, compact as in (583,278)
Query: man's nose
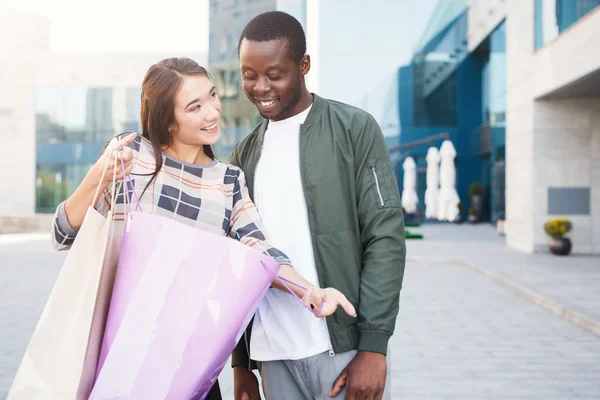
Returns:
(262,85)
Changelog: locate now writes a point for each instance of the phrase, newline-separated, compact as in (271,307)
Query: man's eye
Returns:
(275,78)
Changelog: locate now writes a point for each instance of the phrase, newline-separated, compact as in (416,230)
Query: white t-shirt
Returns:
(283,329)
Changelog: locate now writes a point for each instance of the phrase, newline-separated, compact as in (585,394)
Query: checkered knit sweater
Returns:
(213,198)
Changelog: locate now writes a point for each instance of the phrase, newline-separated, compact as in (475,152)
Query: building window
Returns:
(438,107)
(552,17)
(72,126)
(435,76)
(494,78)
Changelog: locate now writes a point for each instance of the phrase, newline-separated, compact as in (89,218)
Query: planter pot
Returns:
(477,206)
(560,247)
(500,226)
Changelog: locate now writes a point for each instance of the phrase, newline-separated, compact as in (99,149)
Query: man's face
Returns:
(271,79)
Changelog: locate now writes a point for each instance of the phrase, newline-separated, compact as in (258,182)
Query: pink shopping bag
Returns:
(180,303)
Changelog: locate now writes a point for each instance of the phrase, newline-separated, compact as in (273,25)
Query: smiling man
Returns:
(320,174)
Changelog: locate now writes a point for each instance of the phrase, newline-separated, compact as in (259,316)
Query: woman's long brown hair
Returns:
(160,84)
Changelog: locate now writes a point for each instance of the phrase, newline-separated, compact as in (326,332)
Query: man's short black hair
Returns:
(275,25)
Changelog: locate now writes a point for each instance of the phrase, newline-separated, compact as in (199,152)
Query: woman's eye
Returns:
(196,107)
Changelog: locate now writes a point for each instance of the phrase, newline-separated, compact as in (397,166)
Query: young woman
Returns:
(177,175)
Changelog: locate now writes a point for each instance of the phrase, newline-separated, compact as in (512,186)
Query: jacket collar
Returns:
(318,106)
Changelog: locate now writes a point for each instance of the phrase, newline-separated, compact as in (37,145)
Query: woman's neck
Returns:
(189,154)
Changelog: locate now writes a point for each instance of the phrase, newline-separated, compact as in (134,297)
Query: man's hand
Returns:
(364,377)
(245,384)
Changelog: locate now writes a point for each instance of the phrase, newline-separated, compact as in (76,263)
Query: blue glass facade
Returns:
(492,142)
(446,89)
(72,126)
(552,17)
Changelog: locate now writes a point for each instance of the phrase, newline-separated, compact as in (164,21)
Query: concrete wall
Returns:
(484,16)
(519,125)
(28,35)
(566,153)
(550,143)
(569,57)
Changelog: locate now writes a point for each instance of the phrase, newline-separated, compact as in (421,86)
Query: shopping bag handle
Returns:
(127,180)
(95,198)
(283,282)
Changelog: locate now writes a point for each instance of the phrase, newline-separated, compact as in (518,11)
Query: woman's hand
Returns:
(76,206)
(112,153)
(324,302)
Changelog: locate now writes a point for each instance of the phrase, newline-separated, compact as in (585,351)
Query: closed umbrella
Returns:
(433,183)
(409,192)
(448,198)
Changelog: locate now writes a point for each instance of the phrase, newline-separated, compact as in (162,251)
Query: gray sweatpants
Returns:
(308,378)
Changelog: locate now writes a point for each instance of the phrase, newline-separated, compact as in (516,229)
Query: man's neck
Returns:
(305,102)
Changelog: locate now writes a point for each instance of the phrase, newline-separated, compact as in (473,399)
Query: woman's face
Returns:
(197,112)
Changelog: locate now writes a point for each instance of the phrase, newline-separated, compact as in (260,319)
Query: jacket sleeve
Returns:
(236,159)
(382,237)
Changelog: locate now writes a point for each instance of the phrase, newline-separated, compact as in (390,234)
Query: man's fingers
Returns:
(339,384)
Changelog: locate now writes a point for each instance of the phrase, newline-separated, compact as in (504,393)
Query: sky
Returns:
(130,26)
(121,26)
(384,34)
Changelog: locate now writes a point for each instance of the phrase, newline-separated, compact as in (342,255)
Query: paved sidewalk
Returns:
(572,281)
(460,336)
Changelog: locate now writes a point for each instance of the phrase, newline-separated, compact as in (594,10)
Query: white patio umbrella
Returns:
(448,198)
(409,192)
(433,183)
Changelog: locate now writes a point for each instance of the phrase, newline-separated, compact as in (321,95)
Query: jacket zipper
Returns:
(312,239)
(377,185)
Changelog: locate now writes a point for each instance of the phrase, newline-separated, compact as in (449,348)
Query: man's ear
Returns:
(305,65)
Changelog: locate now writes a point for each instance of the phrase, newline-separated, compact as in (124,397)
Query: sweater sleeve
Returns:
(245,224)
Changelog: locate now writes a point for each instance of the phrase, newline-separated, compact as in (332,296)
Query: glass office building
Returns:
(448,90)
(72,126)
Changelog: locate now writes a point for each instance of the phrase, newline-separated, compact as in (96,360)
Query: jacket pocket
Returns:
(383,182)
